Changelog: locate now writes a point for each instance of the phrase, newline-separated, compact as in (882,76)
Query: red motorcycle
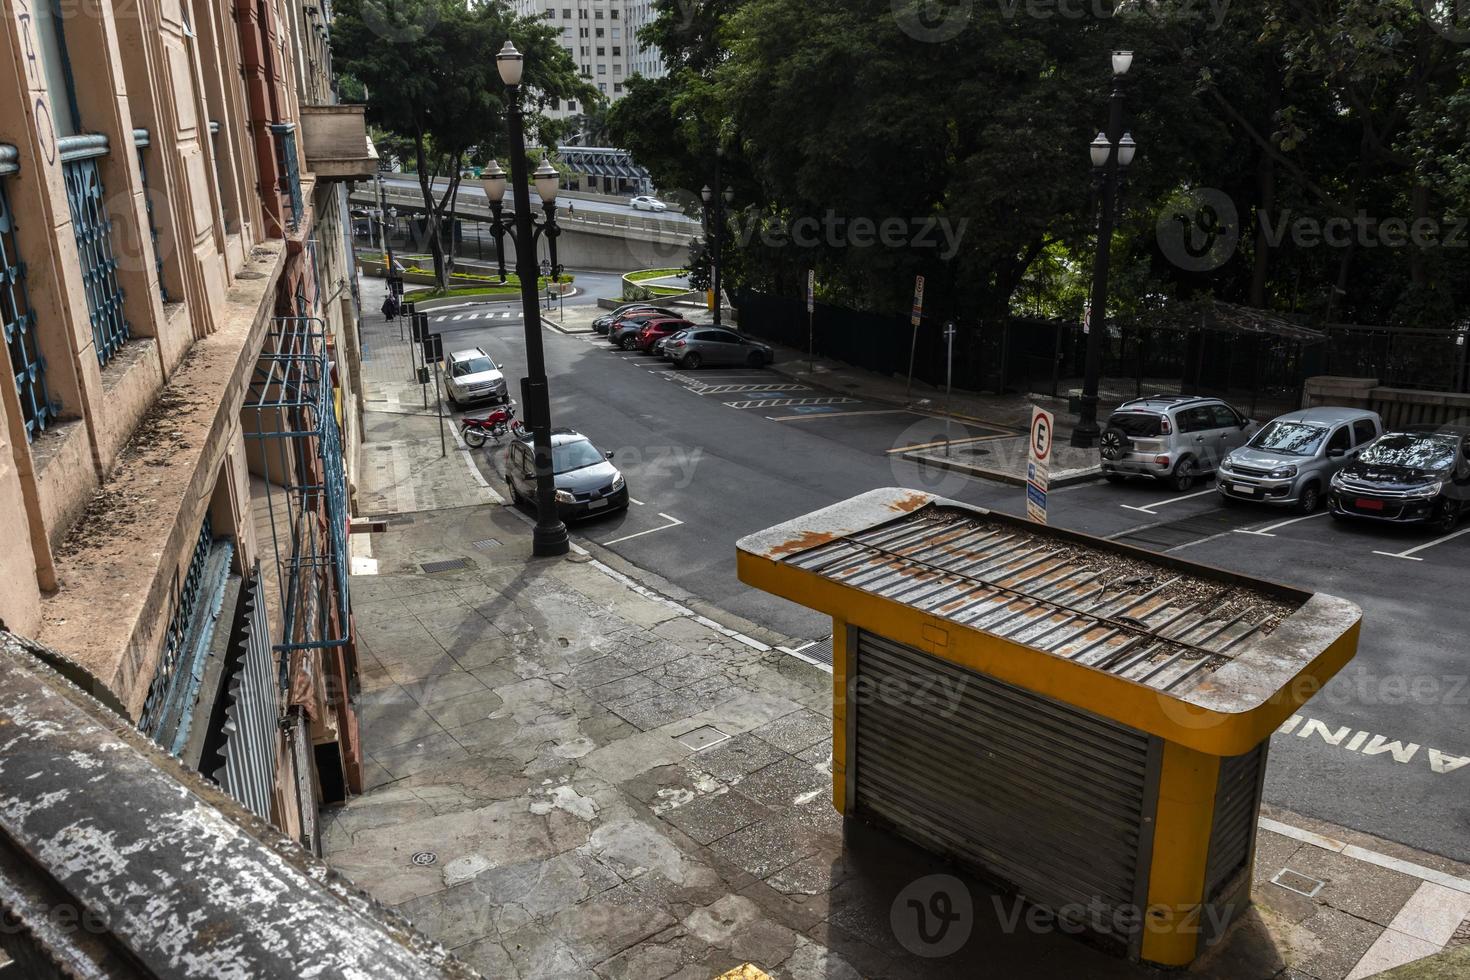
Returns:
(495,425)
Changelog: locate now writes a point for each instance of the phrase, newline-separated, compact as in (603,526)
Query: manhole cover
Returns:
(424,858)
(453,564)
(1295,881)
(702,737)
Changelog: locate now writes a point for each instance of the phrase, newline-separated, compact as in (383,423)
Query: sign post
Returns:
(1038,465)
(420,328)
(948,381)
(434,350)
(811,305)
(914,318)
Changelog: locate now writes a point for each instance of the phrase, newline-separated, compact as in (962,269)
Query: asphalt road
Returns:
(472,189)
(715,454)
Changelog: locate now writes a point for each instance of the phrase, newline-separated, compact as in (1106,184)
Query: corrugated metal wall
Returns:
(253,710)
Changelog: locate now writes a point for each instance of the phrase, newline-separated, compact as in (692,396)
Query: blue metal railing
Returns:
(290,409)
(93,230)
(290,184)
(19,322)
(140,140)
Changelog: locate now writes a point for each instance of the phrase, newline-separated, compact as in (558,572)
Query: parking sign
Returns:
(1038,464)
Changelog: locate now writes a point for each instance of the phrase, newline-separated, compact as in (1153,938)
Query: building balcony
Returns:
(336,143)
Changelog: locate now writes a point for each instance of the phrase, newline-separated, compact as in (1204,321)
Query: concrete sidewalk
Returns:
(571,776)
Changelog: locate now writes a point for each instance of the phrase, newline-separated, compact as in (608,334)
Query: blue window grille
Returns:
(290,184)
(168,707)
(140,140)
(19,320)
(93,229)
(290,409)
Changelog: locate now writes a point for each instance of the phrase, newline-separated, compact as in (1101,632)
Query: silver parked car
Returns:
(715,345)
(1291,460)
(473,376)
(1176,438)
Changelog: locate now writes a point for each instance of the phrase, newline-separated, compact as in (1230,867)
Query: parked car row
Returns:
(1298,460)
(686,344)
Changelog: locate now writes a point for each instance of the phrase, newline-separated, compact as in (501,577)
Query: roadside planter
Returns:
(1084,722)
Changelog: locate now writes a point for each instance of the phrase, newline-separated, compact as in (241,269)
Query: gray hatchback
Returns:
(715,345)
(1290,461)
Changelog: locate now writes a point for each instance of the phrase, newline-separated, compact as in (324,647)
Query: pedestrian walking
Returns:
(390,307)
(571,210)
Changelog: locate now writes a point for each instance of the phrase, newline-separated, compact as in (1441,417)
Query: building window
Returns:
(613,13)
(601,32)
(602,87)
(19,322)
(290,181)
(601,51)
(617,50)
(617,69)
(581,32)
(602,69)
(571,105)
(617,87)
(566,13)
(617,33)
(86,200)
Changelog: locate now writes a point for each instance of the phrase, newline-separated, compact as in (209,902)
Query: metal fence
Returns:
(1399,357)
(85,198)
(18,322)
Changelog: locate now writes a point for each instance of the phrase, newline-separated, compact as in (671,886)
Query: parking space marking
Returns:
(1408,554)
(707,389)
(635,500)
(839,415)
(789,402)
(673,522)
(1149,508)
(1265,532)
(942,442)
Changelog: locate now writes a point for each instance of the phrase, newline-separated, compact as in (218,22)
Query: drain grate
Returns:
(452,565)
(821,650)
(1295,881)
(424,858)
(702,737)
(487,543)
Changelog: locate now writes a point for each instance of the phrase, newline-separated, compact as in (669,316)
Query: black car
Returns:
(587,484)
(1409,477)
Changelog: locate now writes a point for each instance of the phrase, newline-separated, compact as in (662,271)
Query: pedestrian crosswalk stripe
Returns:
(787,402)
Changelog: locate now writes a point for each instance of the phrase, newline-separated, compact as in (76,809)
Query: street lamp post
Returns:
(494,185)
(716,219)
(550,535)
(1111,151)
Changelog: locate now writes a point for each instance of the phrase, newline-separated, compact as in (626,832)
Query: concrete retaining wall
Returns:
(1398,406)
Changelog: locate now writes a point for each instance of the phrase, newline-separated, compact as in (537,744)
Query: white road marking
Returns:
(673,522)
(787,402)
(1409,553)
(457,316)
(1148,508)
(709,389)
(941,442)
(1265,532)
(440,319)
(635,500)
(840,415)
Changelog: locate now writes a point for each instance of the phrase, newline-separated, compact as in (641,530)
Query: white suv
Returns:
(473,376)
(1176,438)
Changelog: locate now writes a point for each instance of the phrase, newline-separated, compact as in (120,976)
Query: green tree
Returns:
(429,70)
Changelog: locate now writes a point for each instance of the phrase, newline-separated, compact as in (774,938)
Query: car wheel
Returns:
(515,495)
(692,361)
(1184,473)
(1115,478)
(1113,444)
(629,343)
(756,359)
(1445,518)
(1309,499)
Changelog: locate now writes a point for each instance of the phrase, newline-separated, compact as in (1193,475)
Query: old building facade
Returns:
(179,416)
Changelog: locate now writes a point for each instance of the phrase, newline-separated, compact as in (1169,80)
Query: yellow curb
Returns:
(745,971)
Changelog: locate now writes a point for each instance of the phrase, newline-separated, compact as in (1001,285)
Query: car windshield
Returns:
(475,365)
(1138,424)
(1289,438)
(574,456)
(1421,452)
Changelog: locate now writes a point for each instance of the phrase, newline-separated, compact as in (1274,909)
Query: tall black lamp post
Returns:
(715,216)
(1112,151)
(550,535)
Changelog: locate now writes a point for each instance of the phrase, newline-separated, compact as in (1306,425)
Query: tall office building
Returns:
(602,38)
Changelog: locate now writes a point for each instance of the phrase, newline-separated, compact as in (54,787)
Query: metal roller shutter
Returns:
(1233,834)
(1045,797)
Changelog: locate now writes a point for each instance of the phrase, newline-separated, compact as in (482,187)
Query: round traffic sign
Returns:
(1040,437)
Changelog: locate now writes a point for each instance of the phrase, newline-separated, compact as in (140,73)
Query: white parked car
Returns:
(645,203)
(473,376)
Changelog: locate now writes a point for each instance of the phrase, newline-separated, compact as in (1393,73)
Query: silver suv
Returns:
(1176,438)
(473,376)
(1290,462)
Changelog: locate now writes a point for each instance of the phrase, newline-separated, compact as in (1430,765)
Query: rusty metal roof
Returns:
(1152,624)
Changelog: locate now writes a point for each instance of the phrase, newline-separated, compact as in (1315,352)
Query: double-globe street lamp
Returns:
(714,210)
(1111,151)
(550,535)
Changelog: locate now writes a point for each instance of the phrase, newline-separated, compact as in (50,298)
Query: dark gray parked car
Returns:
(715,345)
(587,483)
